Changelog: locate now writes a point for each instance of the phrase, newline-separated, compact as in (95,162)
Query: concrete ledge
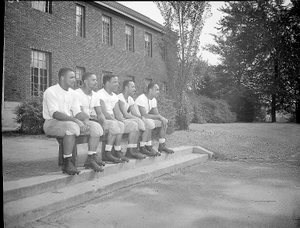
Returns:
(201,150)
(14,190)
(32,208)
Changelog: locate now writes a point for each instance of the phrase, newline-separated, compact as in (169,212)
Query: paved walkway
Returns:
(207,195)
(30,156)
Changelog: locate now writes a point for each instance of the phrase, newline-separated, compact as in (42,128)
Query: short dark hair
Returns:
(126,83)
(63,71)
(107,78)
(150,86)
(86,75)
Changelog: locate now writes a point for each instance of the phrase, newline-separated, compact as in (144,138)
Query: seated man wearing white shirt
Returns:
(147,105)
(128,109)
(90,104)
(63,117)
(110,108)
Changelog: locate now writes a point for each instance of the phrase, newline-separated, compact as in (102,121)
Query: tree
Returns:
(203,79)
(255,43)
(183,25)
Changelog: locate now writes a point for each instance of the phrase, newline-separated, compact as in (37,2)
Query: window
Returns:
(164,87)
(80,27)
(148,44)
(78,74)
(44,6)
(106,30)
(129,32)
(39,72)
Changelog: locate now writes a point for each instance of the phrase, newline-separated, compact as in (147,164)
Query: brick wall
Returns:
(26,28)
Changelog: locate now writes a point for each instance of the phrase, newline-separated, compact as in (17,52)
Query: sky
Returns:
(149,9)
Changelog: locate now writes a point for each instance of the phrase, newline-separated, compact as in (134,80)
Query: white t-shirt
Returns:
(127,104)
(143,101)
(88,102)
(56,99)
(109,100)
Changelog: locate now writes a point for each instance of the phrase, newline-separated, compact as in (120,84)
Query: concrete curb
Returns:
(14,190)
(201,150)
(29,209)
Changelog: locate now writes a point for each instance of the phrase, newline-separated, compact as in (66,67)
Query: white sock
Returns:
(134,145)
(67,155)
(130,146)
(149,143)
(108,147)
(142,144)
(162,140)
(92,152)
(117,147)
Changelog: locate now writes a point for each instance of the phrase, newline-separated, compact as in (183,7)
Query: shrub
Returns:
(185,113)
(30,115)
(166,109)
(207,110)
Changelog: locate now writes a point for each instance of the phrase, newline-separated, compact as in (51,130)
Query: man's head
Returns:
(129,87)
(153,90)
(66,77)
(89,80)
(111,83)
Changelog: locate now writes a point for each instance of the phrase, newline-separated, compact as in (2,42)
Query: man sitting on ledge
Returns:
(147,105)
(61,110)
(90,105)
(116,124)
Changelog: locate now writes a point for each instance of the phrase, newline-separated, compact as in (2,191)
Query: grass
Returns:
(265,142)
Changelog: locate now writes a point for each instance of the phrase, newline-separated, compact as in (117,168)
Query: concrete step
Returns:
(19,189)
(31,208)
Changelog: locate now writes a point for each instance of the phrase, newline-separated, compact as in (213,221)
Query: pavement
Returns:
(212,194)
(207,195)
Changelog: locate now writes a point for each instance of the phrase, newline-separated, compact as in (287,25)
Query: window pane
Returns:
(35,71)
(79,20)
(39,72)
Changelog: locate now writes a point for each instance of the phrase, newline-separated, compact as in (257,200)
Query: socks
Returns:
(67,155)
(108,147)
(142,144)
(130,146)
(149,143)
(92,152)
(162,140)
(117,147)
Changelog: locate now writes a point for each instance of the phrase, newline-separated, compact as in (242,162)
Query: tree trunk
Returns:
(298,111)
(273,108)
(273,102)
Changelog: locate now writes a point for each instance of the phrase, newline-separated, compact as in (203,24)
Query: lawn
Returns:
(266,142)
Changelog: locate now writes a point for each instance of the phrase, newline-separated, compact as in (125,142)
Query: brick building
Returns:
(99,36)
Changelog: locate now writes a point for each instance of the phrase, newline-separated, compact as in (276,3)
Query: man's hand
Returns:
(105,127)
(164,122)
(83,125)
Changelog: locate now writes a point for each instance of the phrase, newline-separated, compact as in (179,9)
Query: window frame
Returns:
(148,44)
(127,47)
(47,62)
(164,87)
(79,76)
(80,33)
(37,5)
(110,30)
